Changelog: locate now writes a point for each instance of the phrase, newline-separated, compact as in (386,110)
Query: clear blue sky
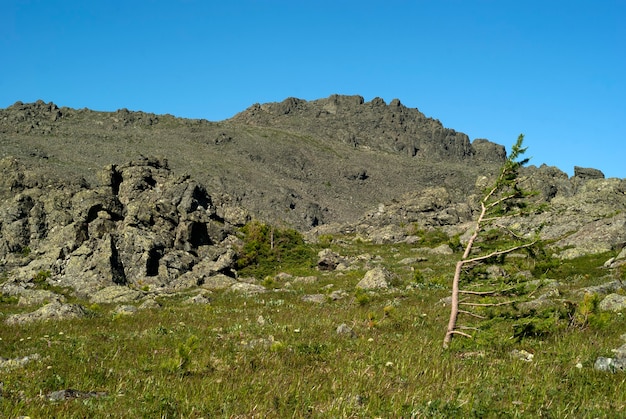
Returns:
(554,70)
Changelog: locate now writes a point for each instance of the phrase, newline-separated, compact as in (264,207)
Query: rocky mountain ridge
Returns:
(295,162)
(373,125)
(81,203)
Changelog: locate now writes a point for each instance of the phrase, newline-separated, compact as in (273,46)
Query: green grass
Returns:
(219,360)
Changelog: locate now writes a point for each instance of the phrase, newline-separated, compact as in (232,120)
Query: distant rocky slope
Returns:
(373,125)
(577,216)
(79,200)
(295,162)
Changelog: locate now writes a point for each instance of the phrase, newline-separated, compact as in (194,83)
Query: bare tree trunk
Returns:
(454,305)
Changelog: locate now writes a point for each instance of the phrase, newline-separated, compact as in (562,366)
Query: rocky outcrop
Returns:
(390,127)
(51,311)
(586,173)
(142,227)
(578,216)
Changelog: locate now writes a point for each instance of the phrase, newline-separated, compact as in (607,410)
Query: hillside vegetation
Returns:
(296,260)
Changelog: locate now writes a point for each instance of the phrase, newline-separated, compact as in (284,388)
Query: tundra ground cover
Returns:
(275,355)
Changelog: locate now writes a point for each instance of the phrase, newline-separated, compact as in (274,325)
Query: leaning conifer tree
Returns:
(504,198)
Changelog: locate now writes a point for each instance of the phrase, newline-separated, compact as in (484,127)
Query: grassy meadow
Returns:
(273,355)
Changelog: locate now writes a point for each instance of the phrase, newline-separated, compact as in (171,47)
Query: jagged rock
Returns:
(264,343)
(125,310)
(616,364)
(328,260)
(442,249)
(198,299)
(236,216)
(305,280)
(149,303)
(610,364)
(71,394)
(138,224)
(13,363)
(541,303)
(246,288)
(587,173)
(494,271)
(314,298)
(115,294)
(143,226)
(345,330)
(602,289)
(613,302)
(412,260)
(388,234)
(377,278)
(36,297)
(420,137)
(617,261)
(522,355)
(338,295)
(51,311)
(485,150)
(218,282)
(620,352)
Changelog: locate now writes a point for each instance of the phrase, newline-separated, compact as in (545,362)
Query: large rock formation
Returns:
(141,226)
(578,216)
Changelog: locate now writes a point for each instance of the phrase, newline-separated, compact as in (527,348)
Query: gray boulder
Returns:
(345,330)
(247,289)
(613,302)
(51,311)
(375,279)
(115,294)
(610,364)
(36,297)
(585,173)
(328,260)
(314,298)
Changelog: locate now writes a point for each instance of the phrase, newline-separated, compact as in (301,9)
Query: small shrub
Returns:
(588,313)
(325,240)
(388,311)
(362,297)
(418,277)
(182,362)
(534,327)
(8,299)
(372,321)
(277,346)
(41,277)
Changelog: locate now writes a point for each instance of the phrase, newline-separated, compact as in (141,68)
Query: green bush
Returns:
(267,249)
(430,237)
(41,277)
(588,313)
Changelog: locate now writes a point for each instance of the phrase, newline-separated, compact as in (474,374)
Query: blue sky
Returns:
(553,70)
